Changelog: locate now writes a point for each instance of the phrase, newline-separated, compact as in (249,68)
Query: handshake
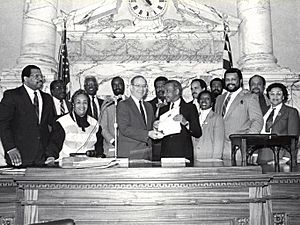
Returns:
(155,134)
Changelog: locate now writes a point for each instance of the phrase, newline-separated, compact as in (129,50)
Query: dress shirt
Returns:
(31,95)
(233,96)
(175,104)
(203,115)
(276,111)
(57,106)
(196,103)
(137,103)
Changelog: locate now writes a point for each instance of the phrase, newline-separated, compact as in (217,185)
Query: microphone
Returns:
(89,153)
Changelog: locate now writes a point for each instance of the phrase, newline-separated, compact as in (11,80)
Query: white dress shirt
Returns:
(31,95)
(137,102)
(233,96)
(276,111)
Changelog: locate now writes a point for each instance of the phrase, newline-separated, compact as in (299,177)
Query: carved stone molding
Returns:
(280,219)
(7,220)
(242,221)
(144,185)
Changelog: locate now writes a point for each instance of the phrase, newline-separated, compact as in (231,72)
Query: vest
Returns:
(76,140)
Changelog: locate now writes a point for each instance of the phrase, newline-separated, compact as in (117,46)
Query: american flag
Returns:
(227,57)
(63,66)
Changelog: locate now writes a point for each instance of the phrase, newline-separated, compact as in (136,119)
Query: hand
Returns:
(15,157)
(155,134)
(50,161)
(181,119)
(155,125)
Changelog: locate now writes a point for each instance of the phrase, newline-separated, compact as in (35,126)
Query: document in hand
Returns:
(166,123)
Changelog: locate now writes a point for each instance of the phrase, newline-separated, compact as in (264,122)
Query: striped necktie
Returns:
(226,103)
(62,107)
(269,121)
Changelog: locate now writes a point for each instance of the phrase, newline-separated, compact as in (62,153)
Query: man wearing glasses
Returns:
(26,113)
(135,119)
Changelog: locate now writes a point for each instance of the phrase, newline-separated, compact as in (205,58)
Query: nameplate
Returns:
(173,162)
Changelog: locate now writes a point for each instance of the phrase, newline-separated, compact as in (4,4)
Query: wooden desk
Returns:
(194,195)
(248,143)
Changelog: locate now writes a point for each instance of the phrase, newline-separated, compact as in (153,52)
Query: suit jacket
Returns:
(20,128)
(133,133)
(244,116)
(286,122)
(180,145)
(210,144)
(107,123)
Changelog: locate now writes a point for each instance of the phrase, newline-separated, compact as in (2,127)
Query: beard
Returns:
(232,87)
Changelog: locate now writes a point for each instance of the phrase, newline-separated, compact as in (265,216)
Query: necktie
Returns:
(225,104)
(263,104)
(36,104)
(172,105)
(95,110)
(62,107)
(142,112)
(269,121)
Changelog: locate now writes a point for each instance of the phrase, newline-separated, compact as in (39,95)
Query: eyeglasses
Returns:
(140,85)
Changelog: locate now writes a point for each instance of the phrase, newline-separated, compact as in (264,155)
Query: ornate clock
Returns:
(147,9)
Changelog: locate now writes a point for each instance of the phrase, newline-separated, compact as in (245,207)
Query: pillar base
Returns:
(259,62)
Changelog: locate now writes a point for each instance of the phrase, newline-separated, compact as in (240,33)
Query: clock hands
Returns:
(148,2)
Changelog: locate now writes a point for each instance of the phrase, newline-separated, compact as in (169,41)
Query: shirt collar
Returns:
(177,103)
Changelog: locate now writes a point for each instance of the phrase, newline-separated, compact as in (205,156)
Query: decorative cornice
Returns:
(134,185)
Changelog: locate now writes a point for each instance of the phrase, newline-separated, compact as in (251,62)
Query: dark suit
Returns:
(99,135)
(156,144)
(20,128)
(133,133)
(89,110)
(180,145)
(286,122)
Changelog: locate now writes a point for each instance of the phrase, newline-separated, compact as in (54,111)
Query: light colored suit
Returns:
(244,116)
(210,144)
(133,133)
(107,122)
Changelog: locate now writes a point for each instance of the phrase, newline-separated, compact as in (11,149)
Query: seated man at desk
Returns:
(280,119)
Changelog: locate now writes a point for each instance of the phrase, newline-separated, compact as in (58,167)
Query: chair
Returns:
(57,222)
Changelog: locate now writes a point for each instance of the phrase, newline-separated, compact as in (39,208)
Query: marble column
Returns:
(39,33)
(255,35)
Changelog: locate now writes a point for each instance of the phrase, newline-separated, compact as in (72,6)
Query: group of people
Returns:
(37,128)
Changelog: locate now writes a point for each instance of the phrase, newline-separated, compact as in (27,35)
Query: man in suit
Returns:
(25,116)
(159,101)
(240,110)
(94,108)
(135,120)
(210,144)
(197,86)
(216,88)
(180,144)
(91,87)
(58,92)
(257,86)
(108,118)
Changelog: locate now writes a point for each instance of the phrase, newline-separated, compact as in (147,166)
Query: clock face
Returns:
(147,9)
